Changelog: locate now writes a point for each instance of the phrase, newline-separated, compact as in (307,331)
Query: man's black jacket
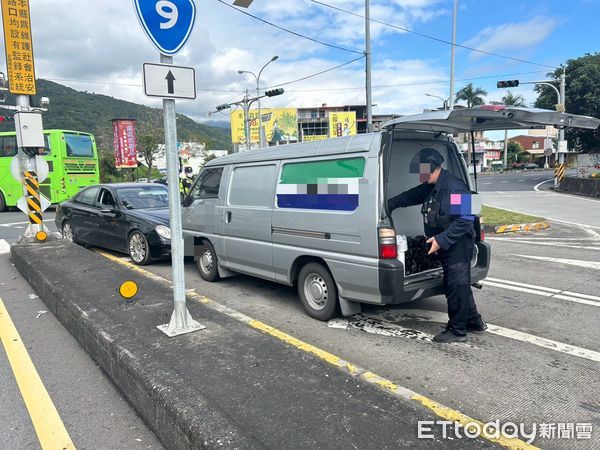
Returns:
(458,226)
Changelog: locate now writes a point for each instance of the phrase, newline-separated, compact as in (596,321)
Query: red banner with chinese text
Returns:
(125,143)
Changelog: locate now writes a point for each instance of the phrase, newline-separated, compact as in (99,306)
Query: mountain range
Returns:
(89,112)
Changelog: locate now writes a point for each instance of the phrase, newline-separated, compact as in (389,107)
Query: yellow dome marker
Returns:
(41,236)
(128,289)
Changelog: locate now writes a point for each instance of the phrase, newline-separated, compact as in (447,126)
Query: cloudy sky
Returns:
(99,46)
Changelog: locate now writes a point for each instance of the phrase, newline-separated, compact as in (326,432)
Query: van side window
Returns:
(253,186)
(208,184)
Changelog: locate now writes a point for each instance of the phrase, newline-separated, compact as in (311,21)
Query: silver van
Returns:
(314,214)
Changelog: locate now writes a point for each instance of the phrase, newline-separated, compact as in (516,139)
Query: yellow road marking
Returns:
(50,430)
(383,383)
(321,354)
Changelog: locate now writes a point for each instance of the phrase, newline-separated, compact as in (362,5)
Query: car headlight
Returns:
(163,231)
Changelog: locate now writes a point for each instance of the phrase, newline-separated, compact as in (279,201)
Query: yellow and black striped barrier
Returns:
(537,226)
(559,171)
(32,186)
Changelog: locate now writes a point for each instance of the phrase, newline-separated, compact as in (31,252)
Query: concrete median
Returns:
(228,386)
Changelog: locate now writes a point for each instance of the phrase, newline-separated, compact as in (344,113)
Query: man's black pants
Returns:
(456,262)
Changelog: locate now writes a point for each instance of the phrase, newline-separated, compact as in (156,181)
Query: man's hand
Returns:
(434,245)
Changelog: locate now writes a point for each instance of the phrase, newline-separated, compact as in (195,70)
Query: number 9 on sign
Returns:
(169,11)
(168,23)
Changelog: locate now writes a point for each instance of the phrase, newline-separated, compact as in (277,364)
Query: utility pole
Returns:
(368,66)
(28,166)
(452,51)
(562,100)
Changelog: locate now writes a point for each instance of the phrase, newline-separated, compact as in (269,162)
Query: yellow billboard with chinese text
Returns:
(342,123)
(280,125)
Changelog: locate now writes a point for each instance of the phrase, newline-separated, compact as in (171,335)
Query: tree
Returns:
(515,151)
(473,96)
(582,97)
(510,100)
(149,140)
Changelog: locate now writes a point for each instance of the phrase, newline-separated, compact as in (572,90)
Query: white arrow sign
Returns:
(168,81)
(22,204)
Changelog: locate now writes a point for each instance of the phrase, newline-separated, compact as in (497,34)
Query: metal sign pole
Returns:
(181,320)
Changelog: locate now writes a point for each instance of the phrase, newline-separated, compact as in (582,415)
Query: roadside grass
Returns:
(496,216)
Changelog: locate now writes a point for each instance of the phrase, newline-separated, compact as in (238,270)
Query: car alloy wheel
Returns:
(138,248)
(67,232)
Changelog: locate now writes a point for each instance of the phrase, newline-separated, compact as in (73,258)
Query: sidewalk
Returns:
(557,207)
(227,386)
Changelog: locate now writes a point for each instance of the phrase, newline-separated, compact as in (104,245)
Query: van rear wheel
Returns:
(207,262)
(318,291)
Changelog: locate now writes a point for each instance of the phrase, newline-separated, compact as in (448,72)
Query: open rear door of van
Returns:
(490,117)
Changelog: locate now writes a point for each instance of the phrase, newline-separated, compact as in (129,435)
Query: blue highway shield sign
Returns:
(168,23)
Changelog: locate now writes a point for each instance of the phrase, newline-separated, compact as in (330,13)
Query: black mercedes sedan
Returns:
(131,218)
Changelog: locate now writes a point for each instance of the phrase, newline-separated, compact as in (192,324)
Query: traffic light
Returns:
(7,119)
(223,106)
(507,84)
(274,92)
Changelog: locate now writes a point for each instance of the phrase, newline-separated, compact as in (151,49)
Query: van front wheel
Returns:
(207,262)
(318,292)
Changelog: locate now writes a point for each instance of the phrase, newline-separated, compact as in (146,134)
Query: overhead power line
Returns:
(132,84)
(316,74)
(360,52)
(427,36)
(418,83)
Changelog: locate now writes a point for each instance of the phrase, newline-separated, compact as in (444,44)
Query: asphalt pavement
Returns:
(529,193)
(90,407)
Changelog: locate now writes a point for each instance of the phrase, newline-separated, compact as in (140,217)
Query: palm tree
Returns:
(510,100)
(473,96)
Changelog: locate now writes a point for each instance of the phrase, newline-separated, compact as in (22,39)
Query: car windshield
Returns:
(143,197)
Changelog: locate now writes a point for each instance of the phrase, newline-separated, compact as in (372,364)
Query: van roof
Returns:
(333,146)
(490,117)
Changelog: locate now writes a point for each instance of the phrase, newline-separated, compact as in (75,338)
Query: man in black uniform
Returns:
(451,236)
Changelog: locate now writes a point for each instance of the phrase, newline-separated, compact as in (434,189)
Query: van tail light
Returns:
(388,249)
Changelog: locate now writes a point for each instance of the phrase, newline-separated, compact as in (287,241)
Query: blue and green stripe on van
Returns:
(327,185)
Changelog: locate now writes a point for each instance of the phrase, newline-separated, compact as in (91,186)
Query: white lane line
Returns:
(552,244)
(505,182)
(520,181)
(12,224)
(543,288)
(541,239)
(436,316)
(570,262)
(4,247)
(537,186)
(574,297)
(532,286)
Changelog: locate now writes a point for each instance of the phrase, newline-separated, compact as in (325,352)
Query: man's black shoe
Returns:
(447,337)
(477,325)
